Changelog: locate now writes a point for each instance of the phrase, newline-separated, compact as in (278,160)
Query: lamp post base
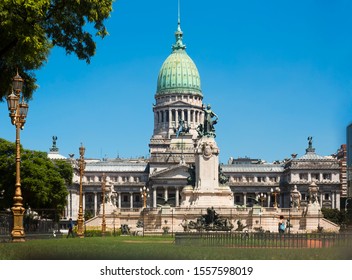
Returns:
(80,231)
(103,229)
(18,230)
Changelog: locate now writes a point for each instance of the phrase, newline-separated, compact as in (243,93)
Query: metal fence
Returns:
(264,240)
(37,223)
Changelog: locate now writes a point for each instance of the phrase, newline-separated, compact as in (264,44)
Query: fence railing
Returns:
(264,240)
(37,223)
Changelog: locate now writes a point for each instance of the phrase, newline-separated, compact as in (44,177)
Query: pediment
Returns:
(174,172)
(180,103)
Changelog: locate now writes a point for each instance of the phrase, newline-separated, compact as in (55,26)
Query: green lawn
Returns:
(152,248)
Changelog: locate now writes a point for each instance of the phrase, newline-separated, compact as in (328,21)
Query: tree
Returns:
(334,215)
(43,181)
(30,28)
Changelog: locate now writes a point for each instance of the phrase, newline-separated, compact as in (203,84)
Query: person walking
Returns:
(70,228)
(282,225)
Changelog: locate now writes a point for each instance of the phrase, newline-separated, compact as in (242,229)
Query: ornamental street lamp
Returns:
(145,194)
(275,192)
(262,198)
(18,113)
(82,165)
(103,223)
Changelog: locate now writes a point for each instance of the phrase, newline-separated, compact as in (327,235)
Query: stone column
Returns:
(338,206)
(176,118)
(309,177)
(245,199)
(119,200)
(177,196)
(183,114)
(131,200)
(268,198)
(333,200)
(154,197)
(166,194)
(321,199)
(95,204)
(170,119)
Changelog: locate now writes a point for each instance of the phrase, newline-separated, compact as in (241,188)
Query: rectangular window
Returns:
(125,198)
(315,176)
(327,176)
(327,196)
(303,176)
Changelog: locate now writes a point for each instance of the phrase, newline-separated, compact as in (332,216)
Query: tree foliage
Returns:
(30,28)
(338,217)
(43,181)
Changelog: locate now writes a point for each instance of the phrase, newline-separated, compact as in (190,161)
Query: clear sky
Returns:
(275,72)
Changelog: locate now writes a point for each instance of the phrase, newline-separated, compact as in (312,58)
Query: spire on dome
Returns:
(178,34)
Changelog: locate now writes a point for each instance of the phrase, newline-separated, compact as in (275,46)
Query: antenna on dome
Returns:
(178,14)
(178,34)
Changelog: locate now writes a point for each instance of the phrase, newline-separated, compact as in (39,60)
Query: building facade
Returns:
(178,116)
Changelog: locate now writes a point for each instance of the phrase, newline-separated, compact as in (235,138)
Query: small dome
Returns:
(178,74)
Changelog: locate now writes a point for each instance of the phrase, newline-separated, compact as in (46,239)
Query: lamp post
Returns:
(18,113)
(275,192)
(144,193)
(103,223)
(262,198)
(82,165)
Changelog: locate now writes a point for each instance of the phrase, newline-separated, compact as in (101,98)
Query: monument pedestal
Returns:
(207,191)
(109,208)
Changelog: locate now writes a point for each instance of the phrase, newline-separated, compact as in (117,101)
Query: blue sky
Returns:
(275,72)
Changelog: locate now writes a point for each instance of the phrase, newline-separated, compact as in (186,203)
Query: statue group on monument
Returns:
(295,198)
(208,222)
(210,119)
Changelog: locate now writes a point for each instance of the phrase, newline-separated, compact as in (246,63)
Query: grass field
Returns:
(153,248)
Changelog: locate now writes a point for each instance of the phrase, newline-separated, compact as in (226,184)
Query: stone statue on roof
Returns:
(54,148)
(310,138)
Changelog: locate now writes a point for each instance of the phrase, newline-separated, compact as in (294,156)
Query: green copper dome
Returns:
(178,74)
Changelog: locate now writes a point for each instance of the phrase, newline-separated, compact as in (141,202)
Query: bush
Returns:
(334,215)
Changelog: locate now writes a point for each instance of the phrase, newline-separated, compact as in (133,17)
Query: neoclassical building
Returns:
(178,116)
